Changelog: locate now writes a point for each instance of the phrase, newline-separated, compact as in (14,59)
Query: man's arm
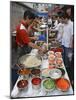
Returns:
(33,38)
(34,46)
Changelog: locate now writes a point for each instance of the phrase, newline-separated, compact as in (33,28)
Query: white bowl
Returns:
(55,73)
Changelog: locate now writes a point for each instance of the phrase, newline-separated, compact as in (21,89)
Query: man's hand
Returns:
(41,50)
(34,38)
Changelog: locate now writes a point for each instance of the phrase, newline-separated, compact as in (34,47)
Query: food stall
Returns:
(42,74)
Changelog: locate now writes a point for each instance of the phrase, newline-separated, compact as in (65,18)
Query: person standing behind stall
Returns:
(59,28)
(22,36)
(67,38)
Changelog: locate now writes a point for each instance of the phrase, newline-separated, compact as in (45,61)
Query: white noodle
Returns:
(32,61)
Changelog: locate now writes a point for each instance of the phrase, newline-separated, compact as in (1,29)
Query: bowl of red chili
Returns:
(36,83)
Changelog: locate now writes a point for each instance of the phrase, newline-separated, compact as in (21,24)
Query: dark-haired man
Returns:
(22,37)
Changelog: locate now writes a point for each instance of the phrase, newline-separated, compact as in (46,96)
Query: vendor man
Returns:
(22,36)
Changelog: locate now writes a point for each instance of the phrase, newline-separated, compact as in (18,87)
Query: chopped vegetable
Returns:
(49,84)
(62,84)
(24,71)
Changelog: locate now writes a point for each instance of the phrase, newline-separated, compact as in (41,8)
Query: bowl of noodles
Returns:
(30,61)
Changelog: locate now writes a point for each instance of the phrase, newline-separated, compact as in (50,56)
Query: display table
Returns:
(34,93)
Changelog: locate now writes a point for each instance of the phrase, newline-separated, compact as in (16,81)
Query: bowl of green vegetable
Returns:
(48,84)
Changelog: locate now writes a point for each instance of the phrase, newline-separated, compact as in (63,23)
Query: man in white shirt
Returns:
(60,32)
(59,28)
(67,38)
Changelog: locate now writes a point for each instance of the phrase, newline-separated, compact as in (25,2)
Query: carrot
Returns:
(62,84)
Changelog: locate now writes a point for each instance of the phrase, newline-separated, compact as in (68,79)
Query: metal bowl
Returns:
(23,58)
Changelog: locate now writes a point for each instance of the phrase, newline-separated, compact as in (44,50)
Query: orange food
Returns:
(62,84)
(24,71)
